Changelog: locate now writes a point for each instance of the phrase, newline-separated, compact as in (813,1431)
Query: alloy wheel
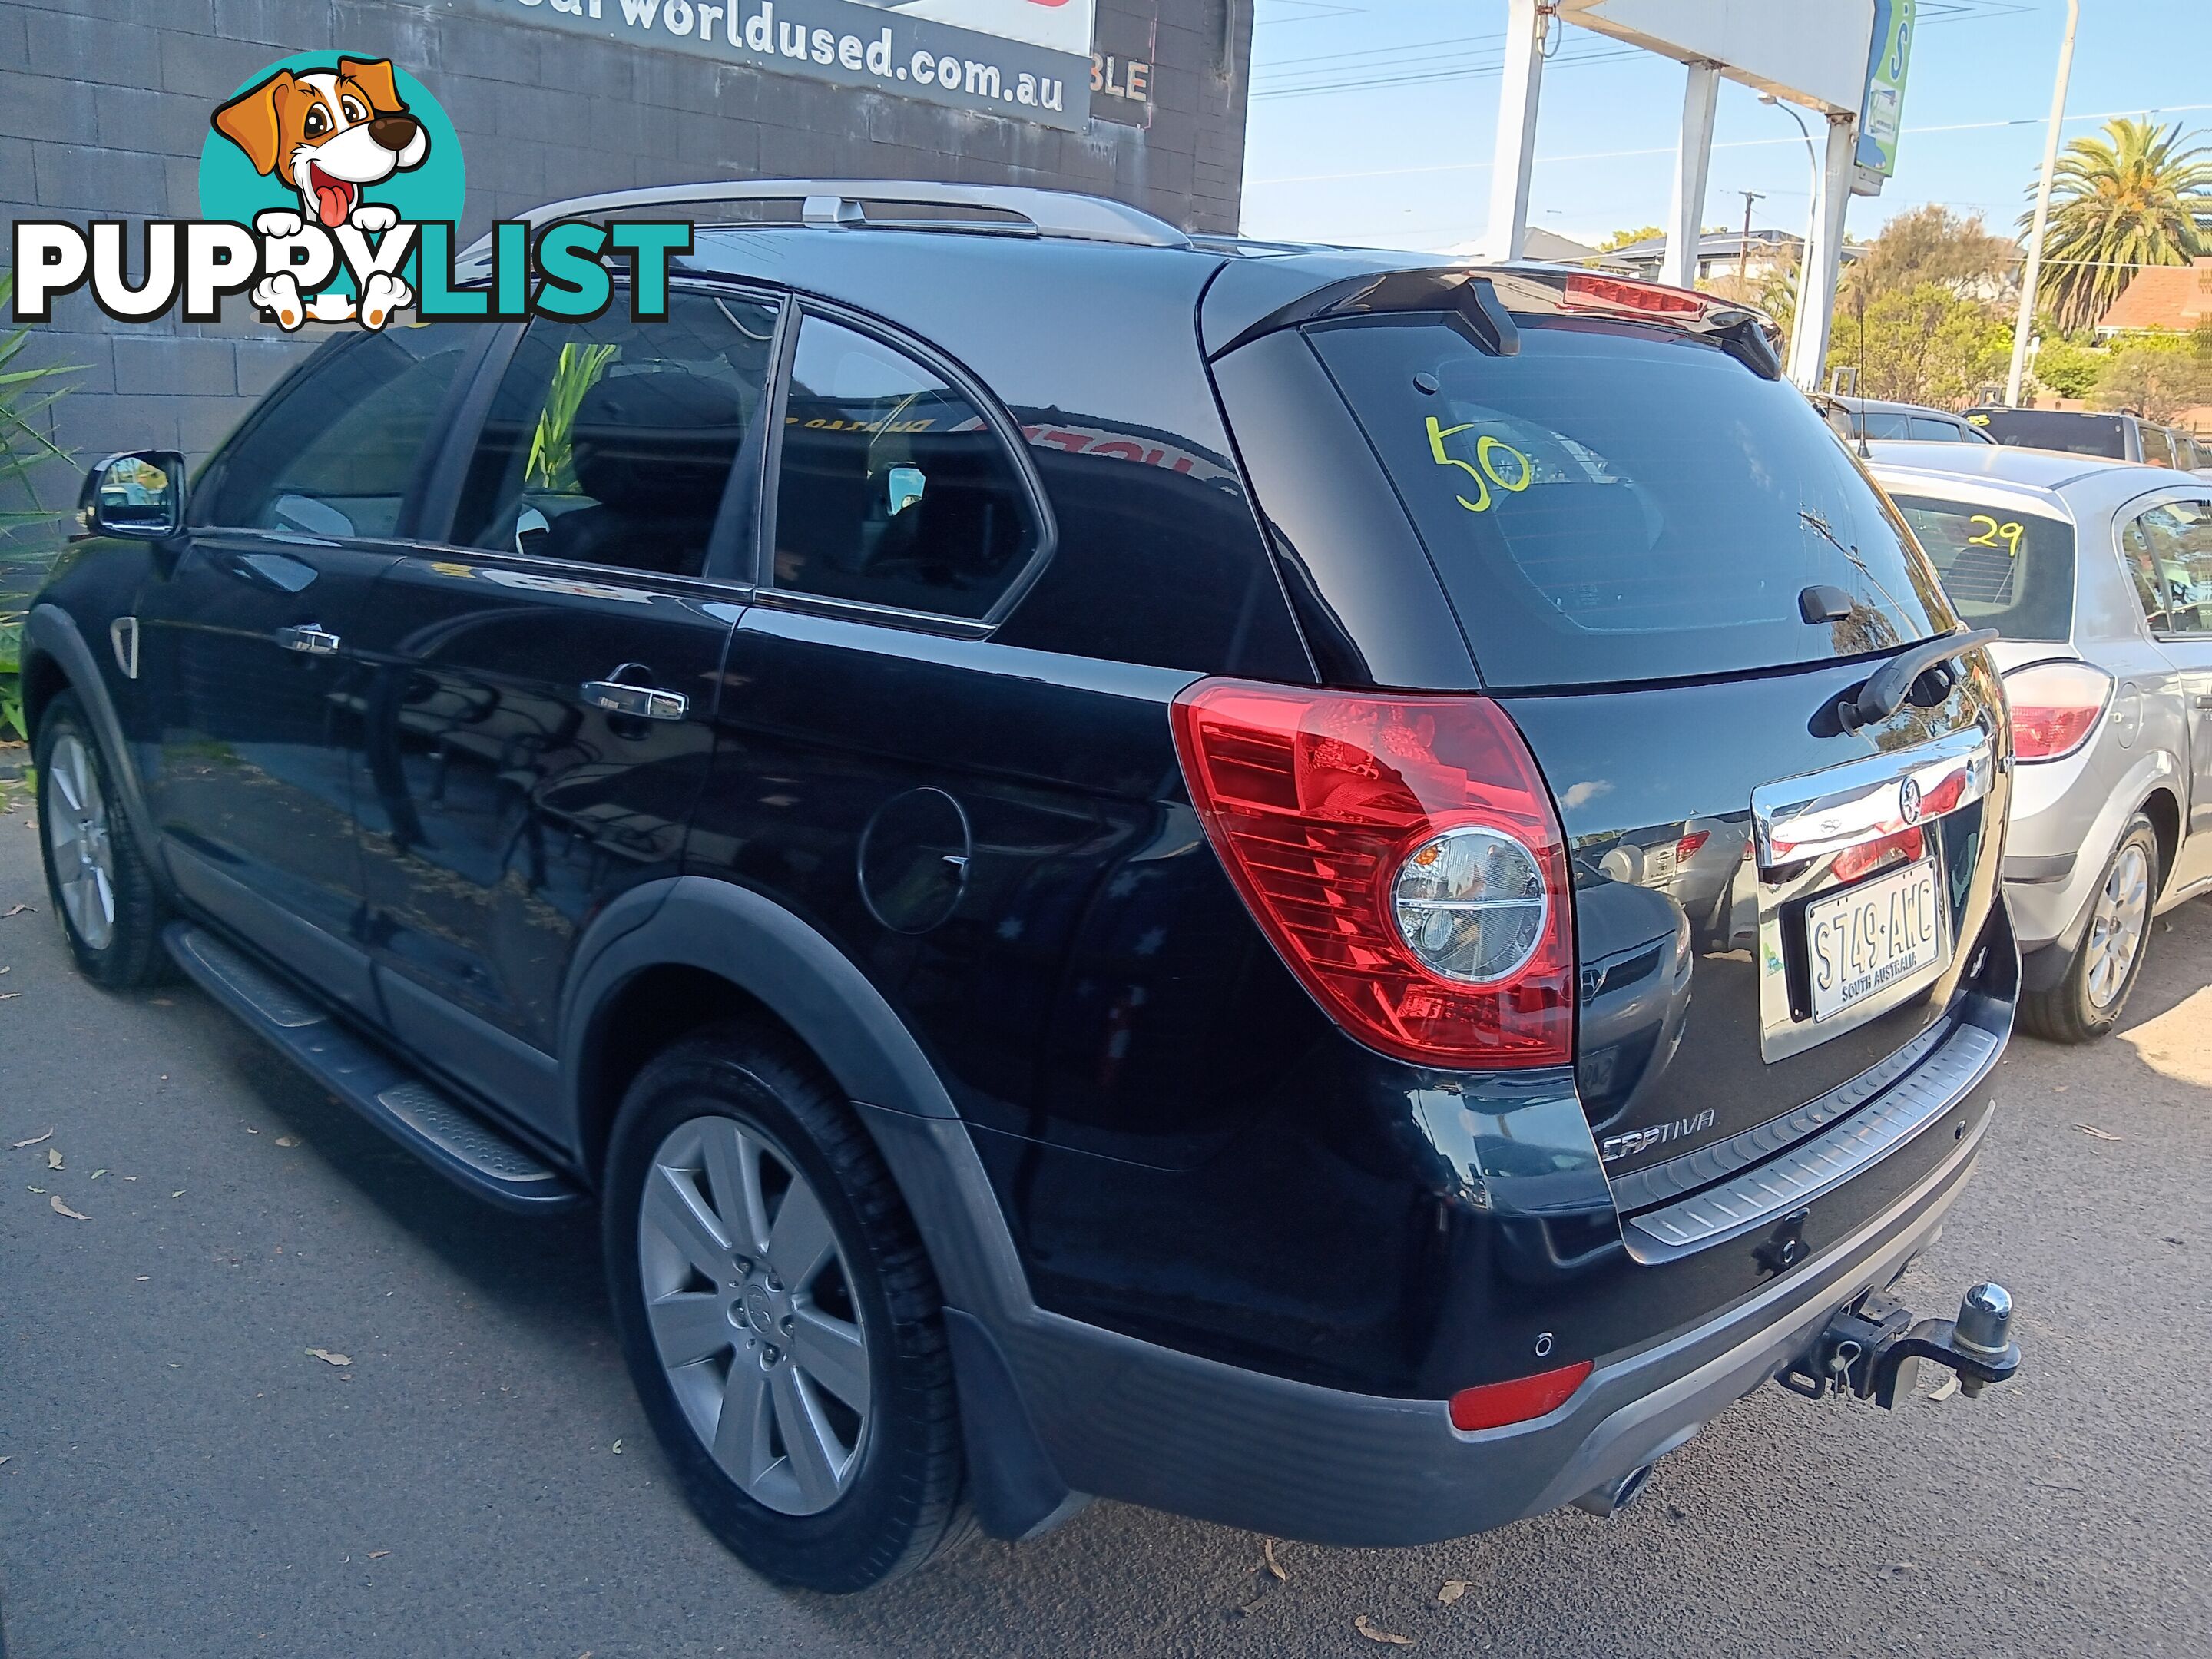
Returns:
(78,842)
(753,1314)
(2117,925)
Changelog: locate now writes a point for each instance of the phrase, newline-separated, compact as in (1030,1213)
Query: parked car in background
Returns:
(2098,576)
(1871,418)
(2116,437)
(1058,883)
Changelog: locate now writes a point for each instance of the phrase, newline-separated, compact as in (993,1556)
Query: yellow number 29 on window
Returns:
(1995,534)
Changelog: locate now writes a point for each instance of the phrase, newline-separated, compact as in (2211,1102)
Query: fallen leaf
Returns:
(253,1132)
(2092,1130)
(617,1448)
(1366,1629)
(1894,1569)
(179,1192)
(1946,1389)
(41,1191)
(96,1174)
(18,1146)
(143,1278)
(15,910)
(330,1358)
(7,1460)
(53,1157)
(378,1555)
(286,1140)
(10,996)
(56,1205)
(1453,1589)
(1267,1551)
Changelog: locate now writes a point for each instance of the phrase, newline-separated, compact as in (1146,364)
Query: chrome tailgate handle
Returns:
(309,637)
(640,702)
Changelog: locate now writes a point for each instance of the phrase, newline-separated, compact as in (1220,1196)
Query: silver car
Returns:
(2097,575)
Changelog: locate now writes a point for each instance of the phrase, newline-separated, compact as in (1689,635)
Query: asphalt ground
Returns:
(183,1476)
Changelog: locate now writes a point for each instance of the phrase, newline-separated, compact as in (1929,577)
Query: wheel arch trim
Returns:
(803,979)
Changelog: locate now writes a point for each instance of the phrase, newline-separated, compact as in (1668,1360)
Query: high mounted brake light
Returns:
(1402,855)
(1584,292)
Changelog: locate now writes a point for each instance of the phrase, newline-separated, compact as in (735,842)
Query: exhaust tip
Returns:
(1617,1495)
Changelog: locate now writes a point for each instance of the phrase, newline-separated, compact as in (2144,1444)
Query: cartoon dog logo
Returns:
(329,135)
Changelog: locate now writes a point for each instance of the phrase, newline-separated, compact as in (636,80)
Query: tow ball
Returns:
(1872,1349)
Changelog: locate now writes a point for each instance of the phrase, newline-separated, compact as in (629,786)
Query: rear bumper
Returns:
(1149,1425)
(1053,1406)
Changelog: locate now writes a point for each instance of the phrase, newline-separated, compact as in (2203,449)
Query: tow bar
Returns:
(1872,1349)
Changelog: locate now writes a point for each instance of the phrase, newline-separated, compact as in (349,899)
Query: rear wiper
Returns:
(1885,690)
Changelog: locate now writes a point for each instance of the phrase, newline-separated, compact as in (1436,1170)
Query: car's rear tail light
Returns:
(1402,855)
(1586,292)
(2055,708)
(1688,845)
(1494,1405)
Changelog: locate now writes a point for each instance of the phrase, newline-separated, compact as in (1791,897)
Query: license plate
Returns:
(1858,943)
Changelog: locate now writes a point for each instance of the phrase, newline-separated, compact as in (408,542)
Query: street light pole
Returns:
(1812,202)
(2034,271)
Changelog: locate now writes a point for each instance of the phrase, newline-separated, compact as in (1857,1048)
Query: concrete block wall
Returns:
(104,104)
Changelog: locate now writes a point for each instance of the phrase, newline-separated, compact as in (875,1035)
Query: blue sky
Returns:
(1372,120)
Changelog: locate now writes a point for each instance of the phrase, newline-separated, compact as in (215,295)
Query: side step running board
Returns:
(449,1137)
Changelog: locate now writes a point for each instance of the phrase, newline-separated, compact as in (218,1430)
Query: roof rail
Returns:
(862,203)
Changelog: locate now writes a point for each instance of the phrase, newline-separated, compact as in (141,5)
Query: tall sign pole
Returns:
(1514,156)
(2026,322)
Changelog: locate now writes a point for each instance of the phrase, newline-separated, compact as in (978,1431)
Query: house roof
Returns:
(1713,245)
(2163,297)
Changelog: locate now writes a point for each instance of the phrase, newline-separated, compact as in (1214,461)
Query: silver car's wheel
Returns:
(78,841)
(753,1315)
(2117,927)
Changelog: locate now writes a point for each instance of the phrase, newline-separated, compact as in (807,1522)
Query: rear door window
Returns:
(2169,553)
(610,442)
(2061,430)
(2003,569)
(1929,430)
(1619,503)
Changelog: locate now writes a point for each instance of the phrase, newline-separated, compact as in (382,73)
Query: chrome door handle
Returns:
(310,638)
(642,702)
(2204,702)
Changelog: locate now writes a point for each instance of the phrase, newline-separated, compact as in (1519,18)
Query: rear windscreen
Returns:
(2051,428)
(1616,502)
(2002,569)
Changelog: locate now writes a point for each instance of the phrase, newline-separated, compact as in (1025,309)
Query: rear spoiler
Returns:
(1481,304)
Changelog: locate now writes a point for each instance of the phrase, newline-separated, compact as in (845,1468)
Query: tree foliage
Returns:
(2068,368)
(2157,375)
(2130,198)
(1923,344)
(1623,238)
(1932,244)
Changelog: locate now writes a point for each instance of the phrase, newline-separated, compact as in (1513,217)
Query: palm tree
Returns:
(2130,198)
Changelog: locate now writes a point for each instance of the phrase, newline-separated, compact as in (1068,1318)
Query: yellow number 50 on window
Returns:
(1484,469)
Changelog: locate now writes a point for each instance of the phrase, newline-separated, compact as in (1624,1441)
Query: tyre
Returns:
(2086,1003)
(97,877)
(780,1316)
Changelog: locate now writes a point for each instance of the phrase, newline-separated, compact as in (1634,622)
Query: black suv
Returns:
(1333,894)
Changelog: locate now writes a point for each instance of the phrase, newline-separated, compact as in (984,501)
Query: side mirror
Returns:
(139,496)
(906,483)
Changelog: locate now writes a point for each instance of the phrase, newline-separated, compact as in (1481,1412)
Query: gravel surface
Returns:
(182,1476)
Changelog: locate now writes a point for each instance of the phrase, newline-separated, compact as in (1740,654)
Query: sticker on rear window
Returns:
(1484,469)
